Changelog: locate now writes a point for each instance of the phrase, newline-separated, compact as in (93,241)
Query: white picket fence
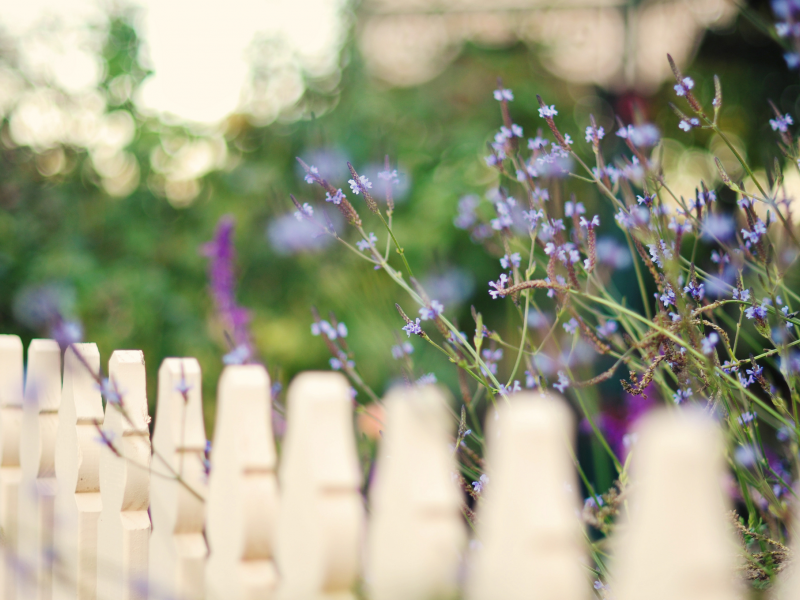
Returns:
(81,520)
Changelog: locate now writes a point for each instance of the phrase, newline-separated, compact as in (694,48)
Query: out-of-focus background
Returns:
(129,129)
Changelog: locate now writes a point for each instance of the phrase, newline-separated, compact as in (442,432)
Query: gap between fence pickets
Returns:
(57,480)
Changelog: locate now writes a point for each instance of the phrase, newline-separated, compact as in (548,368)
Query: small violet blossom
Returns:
(682,88)
(512,259)
(357,186)
(365,244)
(429,313)
(708,343)
(503,94)
(413,327)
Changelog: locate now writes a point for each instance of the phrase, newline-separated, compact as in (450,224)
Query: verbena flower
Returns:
(361,184)
(562,383)
(503,94)
(682,88)
(310,174)
(427,379)
(708,342)
(413,327)
(478,486)
(434,310)
(758,311)
(571,326)
(688,124)
(548,111)
(510,260)
(594,134)
(747,418)
(337,197)
(781,123)
(366,244)
(401,350)
(682,395)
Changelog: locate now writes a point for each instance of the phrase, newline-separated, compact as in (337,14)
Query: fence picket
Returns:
(321,521)
(677,471)
(37,488)
(528,527)
(123,530)
(416,532)
(77,468)
(11,394)
(243,490)
(177,546)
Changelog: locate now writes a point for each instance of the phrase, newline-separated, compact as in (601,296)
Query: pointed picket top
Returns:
(77,463)
(321,523)
(416,532)
(243,498)
(123,530)
(37,488)
(177,547)
(530,543)
(11,394)
(678,532)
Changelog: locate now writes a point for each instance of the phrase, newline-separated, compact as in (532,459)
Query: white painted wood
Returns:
(177,546)
(416,533)
(678,532)
(77,468)
(37,462)
(11,394)
(243,495)
(123,530)
(322,512)
(528,526)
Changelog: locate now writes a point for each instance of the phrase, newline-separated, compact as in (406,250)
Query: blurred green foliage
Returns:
(129,268)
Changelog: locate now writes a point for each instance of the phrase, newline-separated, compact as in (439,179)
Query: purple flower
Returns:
(336,198)
(548,112)
(510,259)
(337,364)
(390,177)
(503,94)
(329,330)
(594,134)
(574,208)
(656,255)
(571,326)
(428,313)
(530,380)
(708,343)
(668,297)
(682,395)
(688,124)
(222,281)
(413,327)
(684,86)
(758,312)
(747,418)
(306,210)
(792,59)
(781,123)
(362,184)
(480,484)
(538,143)
(644,135)
(696,291)
(607,329)
(595,222)
(751,237)
(563,382)
(401,350)
(499,285)
(427,379)
(743,295)
(310,175)
(366,244)
(109,390)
